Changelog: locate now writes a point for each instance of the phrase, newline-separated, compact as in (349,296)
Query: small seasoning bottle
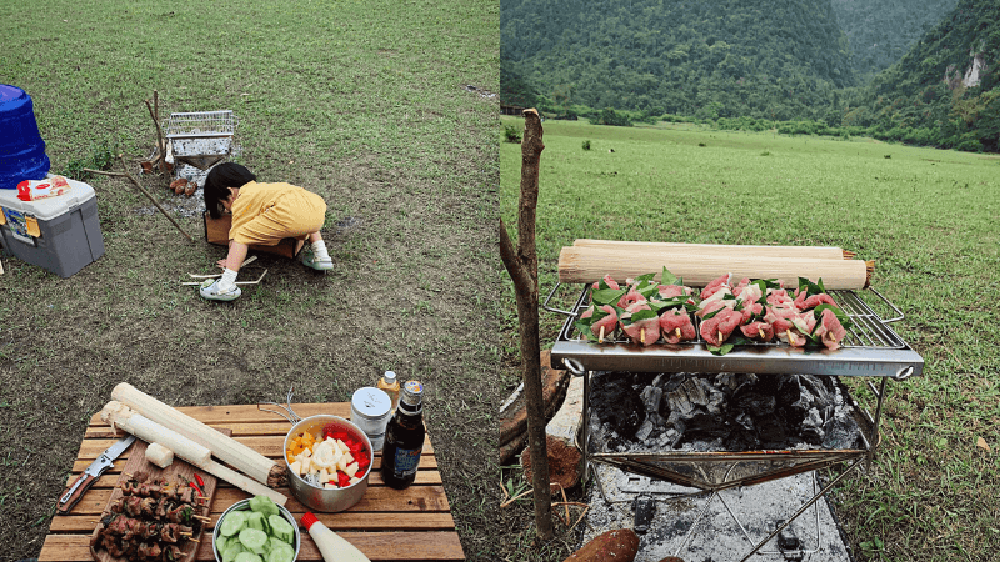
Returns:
(390,386)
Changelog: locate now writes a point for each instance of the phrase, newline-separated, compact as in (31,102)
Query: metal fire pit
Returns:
(870,349)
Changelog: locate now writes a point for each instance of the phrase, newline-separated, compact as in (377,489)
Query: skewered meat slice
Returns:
(717,329)
(743,284)
(708,307)
(608,323)
(748,293)
(758,330)
(609,281)
(644,332)
(829,330)
(804,302)
(676,326)
(714,286)
(779,298)
(671,291)
(750,310)
(630,298)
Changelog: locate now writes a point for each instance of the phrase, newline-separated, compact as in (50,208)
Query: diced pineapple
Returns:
(351,468)
(355,480)
(296,468)
(324,476)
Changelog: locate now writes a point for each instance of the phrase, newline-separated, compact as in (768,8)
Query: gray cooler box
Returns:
(60,234)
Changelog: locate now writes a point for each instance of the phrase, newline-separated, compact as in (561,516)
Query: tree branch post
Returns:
(522,266)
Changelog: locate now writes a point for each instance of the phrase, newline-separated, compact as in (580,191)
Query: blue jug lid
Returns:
(10,93)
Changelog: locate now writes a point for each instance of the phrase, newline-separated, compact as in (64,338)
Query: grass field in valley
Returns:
(927,218)
(364,103)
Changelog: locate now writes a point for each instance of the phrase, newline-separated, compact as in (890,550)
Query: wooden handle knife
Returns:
(76,491)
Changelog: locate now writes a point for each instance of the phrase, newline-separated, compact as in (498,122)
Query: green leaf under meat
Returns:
(602,297)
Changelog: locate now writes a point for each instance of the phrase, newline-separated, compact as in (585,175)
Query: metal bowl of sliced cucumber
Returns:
(256,530)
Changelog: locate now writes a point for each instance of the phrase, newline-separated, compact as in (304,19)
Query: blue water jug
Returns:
(22,150)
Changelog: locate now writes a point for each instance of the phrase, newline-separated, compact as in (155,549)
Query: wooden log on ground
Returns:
(611,546)
(554,383)
(563,460)
(565,424)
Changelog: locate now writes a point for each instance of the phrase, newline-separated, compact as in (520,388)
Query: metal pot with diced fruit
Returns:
(329,460)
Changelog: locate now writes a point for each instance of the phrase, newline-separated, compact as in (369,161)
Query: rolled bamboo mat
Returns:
(738,251)
(585,264)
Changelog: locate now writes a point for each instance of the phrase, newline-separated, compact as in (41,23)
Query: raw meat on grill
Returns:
(714,286)
(608,323)
(676,326)
(671,291)
(751,310)
(804,302)
(717,329)
(829,330)
(644,332)
(630,298)
(758,330)
(609,281)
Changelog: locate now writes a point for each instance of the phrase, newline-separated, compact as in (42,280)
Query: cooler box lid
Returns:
(51,207)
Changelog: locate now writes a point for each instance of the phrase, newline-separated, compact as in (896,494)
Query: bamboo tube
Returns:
(122,417)
(242,482)
(583,264)
(736,251)
(234,453)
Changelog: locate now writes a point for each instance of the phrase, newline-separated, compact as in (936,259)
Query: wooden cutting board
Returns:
(179,472)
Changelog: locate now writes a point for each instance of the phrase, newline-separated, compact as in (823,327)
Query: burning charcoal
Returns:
(650,397)
(812,427)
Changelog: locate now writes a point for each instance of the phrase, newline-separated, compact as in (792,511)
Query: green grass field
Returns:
(362,102)
(927,217)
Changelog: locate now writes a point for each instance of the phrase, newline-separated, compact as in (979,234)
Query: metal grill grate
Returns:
(869,330)
(870,348)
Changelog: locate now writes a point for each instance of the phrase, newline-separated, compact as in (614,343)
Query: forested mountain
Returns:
(775,59)
(882,31)
(946,90)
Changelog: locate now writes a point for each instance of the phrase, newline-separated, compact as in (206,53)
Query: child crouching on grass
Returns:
(263,213)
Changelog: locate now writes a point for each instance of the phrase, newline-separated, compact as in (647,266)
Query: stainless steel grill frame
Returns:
(870,349)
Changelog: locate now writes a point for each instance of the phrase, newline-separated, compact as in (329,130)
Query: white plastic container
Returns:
(61,234)
(370,411)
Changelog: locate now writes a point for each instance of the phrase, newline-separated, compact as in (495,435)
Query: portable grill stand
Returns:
(871,348)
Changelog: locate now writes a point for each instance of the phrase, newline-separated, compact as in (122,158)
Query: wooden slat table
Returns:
(386,525)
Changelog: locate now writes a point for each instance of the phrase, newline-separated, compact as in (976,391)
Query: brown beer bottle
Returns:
(404,439)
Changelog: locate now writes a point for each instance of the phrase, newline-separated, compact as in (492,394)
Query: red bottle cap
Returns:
(308,519)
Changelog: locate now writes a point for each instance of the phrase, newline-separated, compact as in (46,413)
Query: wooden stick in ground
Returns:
(153,199)
(522,266)
(104,173)
(159,133)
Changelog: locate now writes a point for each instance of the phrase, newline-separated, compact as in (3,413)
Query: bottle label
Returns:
(406,461)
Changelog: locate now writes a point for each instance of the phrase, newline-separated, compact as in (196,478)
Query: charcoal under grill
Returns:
(870,349)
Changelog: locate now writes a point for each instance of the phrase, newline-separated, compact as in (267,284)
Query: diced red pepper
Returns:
(343,480)
(362,459)
(195,486)
(199,480)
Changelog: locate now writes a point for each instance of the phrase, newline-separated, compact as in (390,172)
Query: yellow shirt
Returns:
(264,213)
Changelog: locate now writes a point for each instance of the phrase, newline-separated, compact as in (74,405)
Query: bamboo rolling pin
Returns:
(583,264)
(121,416)
(737,251)
(231,451)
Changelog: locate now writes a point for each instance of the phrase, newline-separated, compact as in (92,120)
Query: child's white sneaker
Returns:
(316,257)
(211,291)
